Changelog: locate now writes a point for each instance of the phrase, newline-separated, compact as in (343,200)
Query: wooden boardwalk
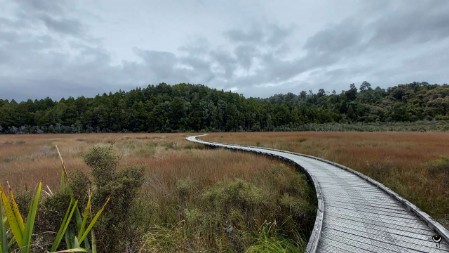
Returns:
(356,213)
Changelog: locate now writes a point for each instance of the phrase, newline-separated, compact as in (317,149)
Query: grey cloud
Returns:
(278,70)
(262,34)
(278,34)
(35,62)
(83,69)
(417,23)
(90,67)
(363,45)
(199,47)
(14,40)
(384,44)
(245,55)
(429,65)
(258,48)
(49,87)
(201,69)
(337,39)
(8,24)
(226,61)
(159,63)
(63,25)
(168,67)
(54,15)
(384,48)
(23,51)
(153,56)
(420,22)
(47,6)
(252,35)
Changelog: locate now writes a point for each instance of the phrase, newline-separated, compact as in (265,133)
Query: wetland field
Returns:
(189,198)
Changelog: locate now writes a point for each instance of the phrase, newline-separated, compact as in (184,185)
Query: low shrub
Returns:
(115,230)
(232,216)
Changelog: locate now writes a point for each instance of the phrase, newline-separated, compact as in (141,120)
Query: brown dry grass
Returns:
(28,159)
(169,161)
(416,165)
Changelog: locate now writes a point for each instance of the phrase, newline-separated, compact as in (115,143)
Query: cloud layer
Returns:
(60,49)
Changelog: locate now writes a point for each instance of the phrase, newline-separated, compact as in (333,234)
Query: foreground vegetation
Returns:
(186,107)
(166,194)
(415,165)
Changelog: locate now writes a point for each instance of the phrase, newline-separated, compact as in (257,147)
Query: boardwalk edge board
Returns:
(315,236)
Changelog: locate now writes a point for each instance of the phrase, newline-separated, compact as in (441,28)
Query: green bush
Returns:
(115,230)
(223,198)
(80,184)
(184,188)
(231,209)
(103,161)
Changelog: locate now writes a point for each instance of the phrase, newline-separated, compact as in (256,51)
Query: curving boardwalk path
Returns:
(356,213)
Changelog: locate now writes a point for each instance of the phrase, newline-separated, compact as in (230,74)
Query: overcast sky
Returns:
(256,48)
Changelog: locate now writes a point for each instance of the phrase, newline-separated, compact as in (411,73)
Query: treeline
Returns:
(188,107)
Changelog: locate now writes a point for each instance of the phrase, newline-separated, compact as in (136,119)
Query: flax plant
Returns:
(16,232)
(21,231)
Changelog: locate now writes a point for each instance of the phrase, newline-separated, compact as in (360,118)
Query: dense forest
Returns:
(188,107)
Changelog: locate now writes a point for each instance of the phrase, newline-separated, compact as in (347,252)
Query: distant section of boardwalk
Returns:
(357,214)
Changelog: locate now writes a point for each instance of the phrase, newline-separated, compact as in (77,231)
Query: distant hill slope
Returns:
(188,107)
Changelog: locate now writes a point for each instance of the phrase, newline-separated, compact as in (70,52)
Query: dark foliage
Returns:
(187,107)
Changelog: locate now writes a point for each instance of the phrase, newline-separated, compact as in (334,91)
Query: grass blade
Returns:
(11,218)
(85,216)
(94,220)
(78,222)
(68,238)
(76,243)
(3,236)
(65,224)
(64,171)
(94,242)
(78,219)
(16,210)
(30,219)
(71,250)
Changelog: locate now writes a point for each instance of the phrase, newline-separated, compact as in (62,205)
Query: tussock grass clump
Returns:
(267,241)
(230,214)
(440,167)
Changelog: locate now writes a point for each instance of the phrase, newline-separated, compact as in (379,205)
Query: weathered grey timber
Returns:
(356,213)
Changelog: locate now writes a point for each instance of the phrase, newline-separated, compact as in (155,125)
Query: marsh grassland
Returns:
(414,164)
(192,199)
